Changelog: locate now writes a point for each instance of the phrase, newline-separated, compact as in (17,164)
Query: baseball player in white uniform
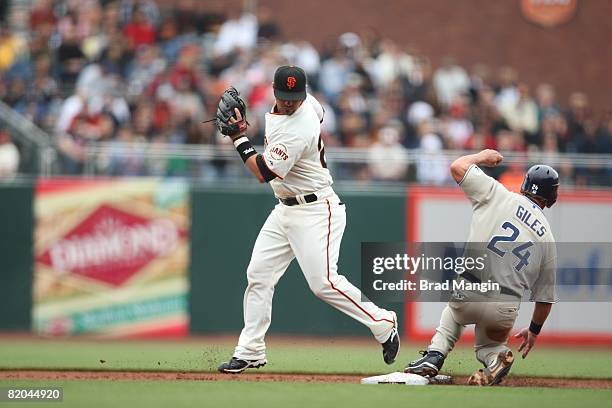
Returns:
(306,224)
(520,246)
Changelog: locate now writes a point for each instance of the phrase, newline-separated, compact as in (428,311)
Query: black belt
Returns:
(309,198)
(503,290)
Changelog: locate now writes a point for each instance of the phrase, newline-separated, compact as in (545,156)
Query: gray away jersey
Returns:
(519,244)
(294,151)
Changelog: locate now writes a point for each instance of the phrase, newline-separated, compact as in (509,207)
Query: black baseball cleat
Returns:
(237,365)
(391,347)
(427,366)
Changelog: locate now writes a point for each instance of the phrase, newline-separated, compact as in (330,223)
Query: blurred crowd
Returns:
(128,71)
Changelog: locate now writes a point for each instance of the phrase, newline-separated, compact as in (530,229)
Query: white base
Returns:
(406,379)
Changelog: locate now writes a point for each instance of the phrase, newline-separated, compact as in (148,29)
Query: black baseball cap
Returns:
(290,83)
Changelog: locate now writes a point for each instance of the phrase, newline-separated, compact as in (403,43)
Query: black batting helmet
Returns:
(541,181)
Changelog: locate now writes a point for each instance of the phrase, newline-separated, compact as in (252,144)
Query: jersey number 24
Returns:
(521,251)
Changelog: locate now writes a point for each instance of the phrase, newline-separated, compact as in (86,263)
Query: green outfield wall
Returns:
(16,253)
(225,224)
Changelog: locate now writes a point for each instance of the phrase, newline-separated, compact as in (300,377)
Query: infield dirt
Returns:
(549,382)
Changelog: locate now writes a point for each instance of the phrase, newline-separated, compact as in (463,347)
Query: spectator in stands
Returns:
(416,86)
(126,158)
(479,79)
(329,127)
(70,57)
(507,92)
(4,6)
(456,126)
(116,58)
(604,135)
(128,8)
(387,156)
(9,155)
(12,48)
(521,115)
(268,29)
(432,167)
(143,123)
(45,95)
(306,56)
(169,41)
(42,17)
(419,112)
(576,116)
(155,85)
(139,31)
(238,32)
(391,64)
(352,99)
(335,73)
(485,114)
(16,96)
(546,100)
(549,136)
(450,81)
(143,69)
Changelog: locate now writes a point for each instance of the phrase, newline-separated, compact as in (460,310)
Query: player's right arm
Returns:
(476,185)
(487,158)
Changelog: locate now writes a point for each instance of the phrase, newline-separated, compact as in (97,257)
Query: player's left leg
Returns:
(315,235)
(443,341)
(492,343)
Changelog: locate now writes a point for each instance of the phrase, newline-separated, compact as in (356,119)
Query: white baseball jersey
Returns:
(519,242)
(311,233)
(294,151)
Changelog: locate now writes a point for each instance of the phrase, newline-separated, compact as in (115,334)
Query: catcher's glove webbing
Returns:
(225,110)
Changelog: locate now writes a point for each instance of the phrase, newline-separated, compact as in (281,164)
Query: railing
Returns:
(207,162)
(38,154)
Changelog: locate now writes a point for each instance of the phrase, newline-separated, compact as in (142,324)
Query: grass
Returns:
(289,356)
(285,356)
(177,394)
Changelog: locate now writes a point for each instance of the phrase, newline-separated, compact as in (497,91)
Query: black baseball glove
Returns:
(225,110)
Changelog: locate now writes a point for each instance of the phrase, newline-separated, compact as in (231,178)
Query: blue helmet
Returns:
(541,181)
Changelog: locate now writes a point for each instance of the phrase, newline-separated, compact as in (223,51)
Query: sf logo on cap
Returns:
(291,82)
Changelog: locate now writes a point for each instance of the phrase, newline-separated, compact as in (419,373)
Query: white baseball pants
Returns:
(312,233)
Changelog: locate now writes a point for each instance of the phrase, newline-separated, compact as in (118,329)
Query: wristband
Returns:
(244,147)
(535,328)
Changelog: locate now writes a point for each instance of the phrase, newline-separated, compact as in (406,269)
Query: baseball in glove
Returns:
(229,101)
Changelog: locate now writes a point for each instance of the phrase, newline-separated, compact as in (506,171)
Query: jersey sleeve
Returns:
(544,288)
(316,106)
(479,187)
(281,155)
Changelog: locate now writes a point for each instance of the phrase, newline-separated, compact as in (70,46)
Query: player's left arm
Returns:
(544,293)
(530,334)
(277,159)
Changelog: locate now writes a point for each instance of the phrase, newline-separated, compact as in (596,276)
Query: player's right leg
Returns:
(270,258)
(443,341)
(491,343)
